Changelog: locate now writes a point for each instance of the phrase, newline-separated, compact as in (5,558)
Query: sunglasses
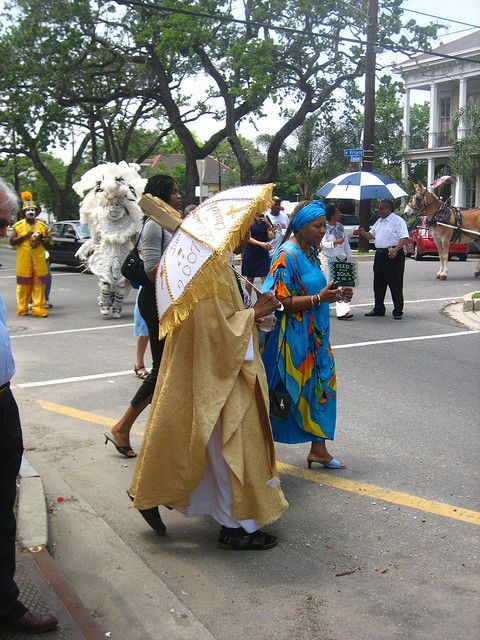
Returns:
(4,223)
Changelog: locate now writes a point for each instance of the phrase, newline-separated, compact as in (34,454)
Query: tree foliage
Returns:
(465,156)
(103,69)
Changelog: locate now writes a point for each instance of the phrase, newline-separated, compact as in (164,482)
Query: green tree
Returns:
(465,155)
(419,123)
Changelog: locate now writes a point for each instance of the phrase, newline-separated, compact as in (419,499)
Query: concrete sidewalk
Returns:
(43,589)
(97,552)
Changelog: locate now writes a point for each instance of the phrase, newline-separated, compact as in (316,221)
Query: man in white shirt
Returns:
(390,234)
(279,221)
(14,615)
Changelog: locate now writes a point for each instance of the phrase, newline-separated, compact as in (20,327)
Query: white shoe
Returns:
(104,310)
(116,314)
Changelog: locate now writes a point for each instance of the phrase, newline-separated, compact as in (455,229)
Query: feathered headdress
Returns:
(28,202)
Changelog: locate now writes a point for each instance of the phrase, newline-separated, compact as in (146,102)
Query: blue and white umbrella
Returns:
(361,185)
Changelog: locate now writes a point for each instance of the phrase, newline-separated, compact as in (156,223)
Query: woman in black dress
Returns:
(255,257)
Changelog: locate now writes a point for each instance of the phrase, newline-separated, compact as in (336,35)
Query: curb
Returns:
(470,303)
(32,520)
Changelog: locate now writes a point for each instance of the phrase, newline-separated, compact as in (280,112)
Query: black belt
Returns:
(4,389)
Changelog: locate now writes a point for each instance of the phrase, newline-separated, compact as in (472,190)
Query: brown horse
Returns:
(426,203)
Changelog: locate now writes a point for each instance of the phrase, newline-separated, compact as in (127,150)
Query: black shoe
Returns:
(152,516)
(32,623)
(237,539)
(373,313)
(397,315)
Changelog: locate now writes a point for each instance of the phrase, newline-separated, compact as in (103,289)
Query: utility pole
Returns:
(369,114)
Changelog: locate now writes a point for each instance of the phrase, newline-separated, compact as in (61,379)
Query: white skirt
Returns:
(213,495)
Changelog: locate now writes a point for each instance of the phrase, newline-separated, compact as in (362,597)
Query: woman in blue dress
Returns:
(297,353)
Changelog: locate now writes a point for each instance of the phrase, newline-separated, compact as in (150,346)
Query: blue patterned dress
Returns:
(304,363)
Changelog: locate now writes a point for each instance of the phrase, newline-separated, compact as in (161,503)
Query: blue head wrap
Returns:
(309,212)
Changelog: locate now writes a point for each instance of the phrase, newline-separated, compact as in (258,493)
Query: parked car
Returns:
(68,236)
(350,223)
(420,243)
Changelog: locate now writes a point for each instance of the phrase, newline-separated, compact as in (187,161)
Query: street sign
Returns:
(353,153)
(355,158)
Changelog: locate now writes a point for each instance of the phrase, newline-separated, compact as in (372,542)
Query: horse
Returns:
(439,214)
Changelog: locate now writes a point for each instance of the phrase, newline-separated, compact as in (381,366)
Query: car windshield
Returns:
(82,230)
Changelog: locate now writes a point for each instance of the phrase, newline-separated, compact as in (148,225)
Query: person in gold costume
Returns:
(30,238)
(208,447)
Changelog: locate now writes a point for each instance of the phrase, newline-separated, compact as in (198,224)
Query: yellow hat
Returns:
(28,201)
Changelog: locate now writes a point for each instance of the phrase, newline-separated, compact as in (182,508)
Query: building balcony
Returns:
(421,141)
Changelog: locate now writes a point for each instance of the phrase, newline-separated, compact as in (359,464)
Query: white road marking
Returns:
(52,333)
(97,376)
(112,374)
(412,339)
(450,299)
(55,273)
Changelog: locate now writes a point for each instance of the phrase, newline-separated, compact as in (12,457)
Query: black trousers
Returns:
(147,306)
(388,272)
(11,450)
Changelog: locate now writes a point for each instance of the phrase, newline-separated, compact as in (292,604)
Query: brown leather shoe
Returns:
(32,622)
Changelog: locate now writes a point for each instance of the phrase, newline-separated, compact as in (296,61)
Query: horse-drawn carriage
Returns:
(447,224)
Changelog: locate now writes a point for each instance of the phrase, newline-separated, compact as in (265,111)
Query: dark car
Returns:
(67,236)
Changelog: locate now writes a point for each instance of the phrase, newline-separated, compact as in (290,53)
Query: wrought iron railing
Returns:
(422,140)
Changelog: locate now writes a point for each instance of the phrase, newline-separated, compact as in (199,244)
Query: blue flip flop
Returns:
(333,464)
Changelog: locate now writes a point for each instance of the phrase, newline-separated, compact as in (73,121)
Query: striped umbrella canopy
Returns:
(361,185)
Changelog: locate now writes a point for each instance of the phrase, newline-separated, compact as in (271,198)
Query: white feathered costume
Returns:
(109,208)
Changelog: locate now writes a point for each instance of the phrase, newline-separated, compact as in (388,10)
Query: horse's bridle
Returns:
(421,205)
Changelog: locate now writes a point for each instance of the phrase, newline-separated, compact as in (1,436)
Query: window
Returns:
(56,230)
(470,194)
(444,120)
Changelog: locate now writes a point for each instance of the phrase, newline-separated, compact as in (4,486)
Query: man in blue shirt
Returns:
(14,615)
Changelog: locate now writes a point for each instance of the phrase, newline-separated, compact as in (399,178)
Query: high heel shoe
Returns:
(153,518)
(333,464)
(127,451)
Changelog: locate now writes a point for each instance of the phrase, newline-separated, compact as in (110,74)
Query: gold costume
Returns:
(31,269)
(204,377)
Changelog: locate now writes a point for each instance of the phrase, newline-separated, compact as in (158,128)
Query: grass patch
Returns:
(476,294)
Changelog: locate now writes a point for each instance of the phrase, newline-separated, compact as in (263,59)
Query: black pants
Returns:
(147,306)
(11,450)
(388,272)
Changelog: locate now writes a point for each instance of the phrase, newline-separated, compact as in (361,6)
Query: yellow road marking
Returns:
(320,477)
(379,493)
(80,415)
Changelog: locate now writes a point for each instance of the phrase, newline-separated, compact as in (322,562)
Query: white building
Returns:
(450,84)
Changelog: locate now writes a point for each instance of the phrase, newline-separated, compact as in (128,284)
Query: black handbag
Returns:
(280,400)
(132,267)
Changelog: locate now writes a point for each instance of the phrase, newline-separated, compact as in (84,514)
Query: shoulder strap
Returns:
(140,234)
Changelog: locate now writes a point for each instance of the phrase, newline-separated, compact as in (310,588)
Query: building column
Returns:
(462,102)
(459,198)
(433,122)
(430,172)
(406,120)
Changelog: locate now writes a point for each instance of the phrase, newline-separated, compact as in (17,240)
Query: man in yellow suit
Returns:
(30,237)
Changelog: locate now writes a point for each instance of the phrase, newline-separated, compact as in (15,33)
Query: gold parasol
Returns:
(197,251)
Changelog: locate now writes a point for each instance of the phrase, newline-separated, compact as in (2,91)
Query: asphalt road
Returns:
(400,525)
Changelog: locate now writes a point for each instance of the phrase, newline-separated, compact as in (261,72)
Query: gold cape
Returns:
(203,375)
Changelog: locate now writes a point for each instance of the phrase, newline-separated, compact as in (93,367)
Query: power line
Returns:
(271,27)
(429,15)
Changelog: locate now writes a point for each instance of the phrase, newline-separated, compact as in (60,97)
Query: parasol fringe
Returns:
(180,309)
(260,204)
